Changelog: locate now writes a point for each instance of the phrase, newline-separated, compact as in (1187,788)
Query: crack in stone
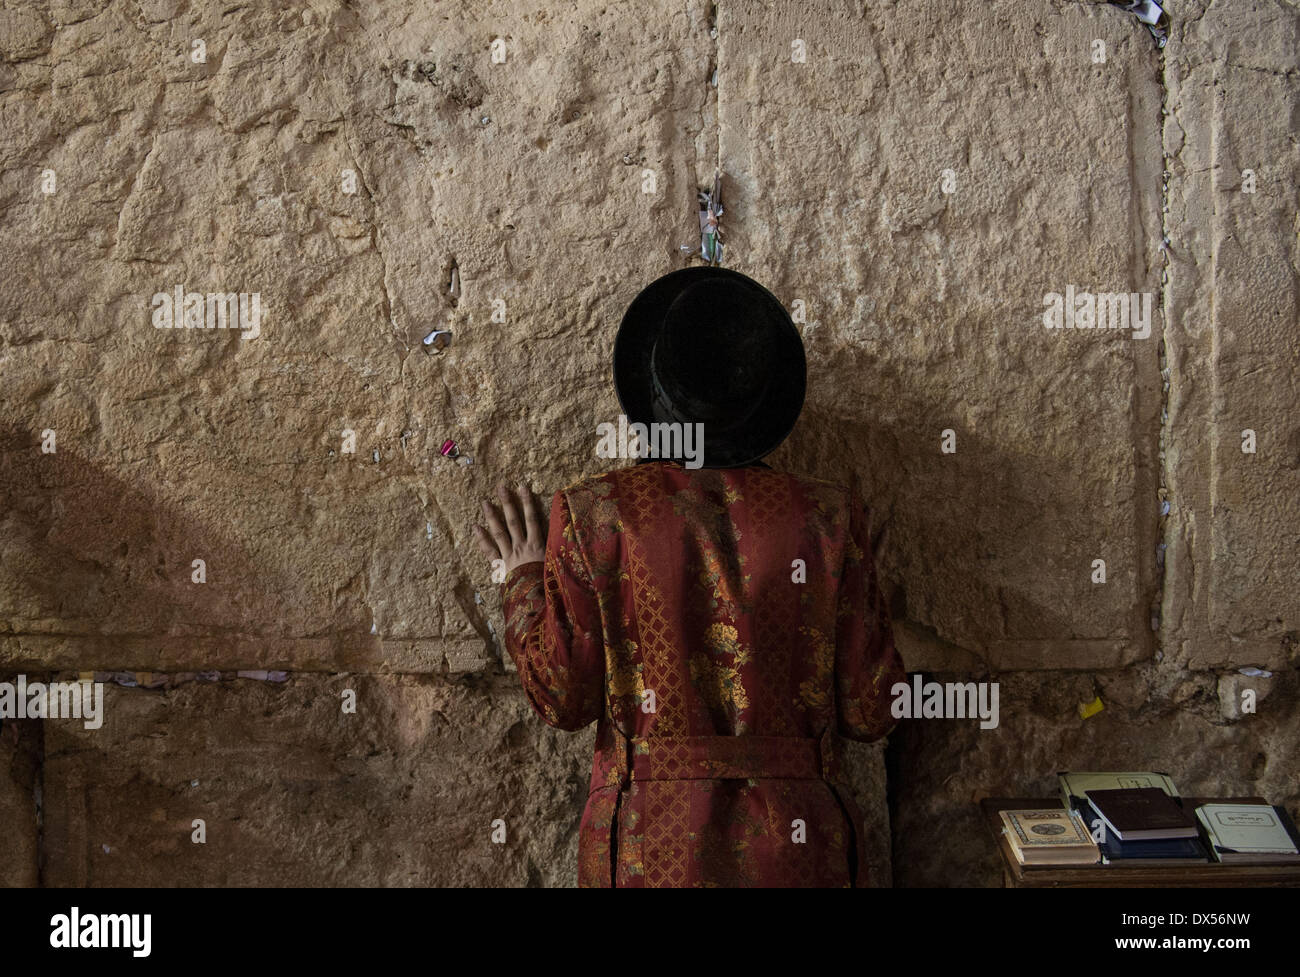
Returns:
(131,194)
(1288,74)
(713,98)
(154,111)
(389,305)
(1163,528)
(376,233)
(377,241)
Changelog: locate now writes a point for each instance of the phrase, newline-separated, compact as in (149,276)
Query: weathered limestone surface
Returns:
(549,187)
(925,307)
(293,790)
(229,176)
(1229,598)
(1235,300)
(19,788)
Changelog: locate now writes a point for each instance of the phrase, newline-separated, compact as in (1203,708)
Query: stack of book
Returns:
(1048,837)
(1136,818)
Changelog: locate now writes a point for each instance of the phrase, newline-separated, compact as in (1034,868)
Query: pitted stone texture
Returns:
(864,765)
(19,778)
(231,175)
(294,791)
(925,308)
(1234,82)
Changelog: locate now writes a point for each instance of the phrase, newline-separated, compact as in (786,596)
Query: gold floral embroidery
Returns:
(624,677)
(719,685)
(696,508)
(715,578)
(814,692)
(718,681)
(723,639)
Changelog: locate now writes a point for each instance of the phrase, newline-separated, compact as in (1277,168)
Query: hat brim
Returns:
(774,417)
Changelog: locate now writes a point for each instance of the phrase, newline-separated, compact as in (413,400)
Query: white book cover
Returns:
(1077,784)
(1252,828)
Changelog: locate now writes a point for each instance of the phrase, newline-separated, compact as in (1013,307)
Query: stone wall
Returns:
(911,178)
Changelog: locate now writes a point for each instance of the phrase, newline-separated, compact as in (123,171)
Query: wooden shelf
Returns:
(1209,875)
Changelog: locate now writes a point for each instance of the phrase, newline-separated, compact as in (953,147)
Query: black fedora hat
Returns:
(710,346)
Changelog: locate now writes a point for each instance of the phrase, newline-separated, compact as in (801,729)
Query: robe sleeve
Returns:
(553,628)
(867,665)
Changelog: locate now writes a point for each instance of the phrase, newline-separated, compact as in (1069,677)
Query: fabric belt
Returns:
(626,760)
(720,758)
(726,758)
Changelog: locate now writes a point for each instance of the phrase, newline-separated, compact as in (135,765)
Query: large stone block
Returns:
(1234,443)
(293,791)
(919,193)
(347,166)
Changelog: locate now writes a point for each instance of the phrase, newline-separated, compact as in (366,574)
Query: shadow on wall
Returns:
(976,550)
(86,552)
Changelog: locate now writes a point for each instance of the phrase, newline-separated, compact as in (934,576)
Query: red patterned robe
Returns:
(671,611)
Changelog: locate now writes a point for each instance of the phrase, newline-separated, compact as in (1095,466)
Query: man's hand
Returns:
(522,537)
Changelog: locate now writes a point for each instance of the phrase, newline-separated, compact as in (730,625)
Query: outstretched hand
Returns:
(521,538)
